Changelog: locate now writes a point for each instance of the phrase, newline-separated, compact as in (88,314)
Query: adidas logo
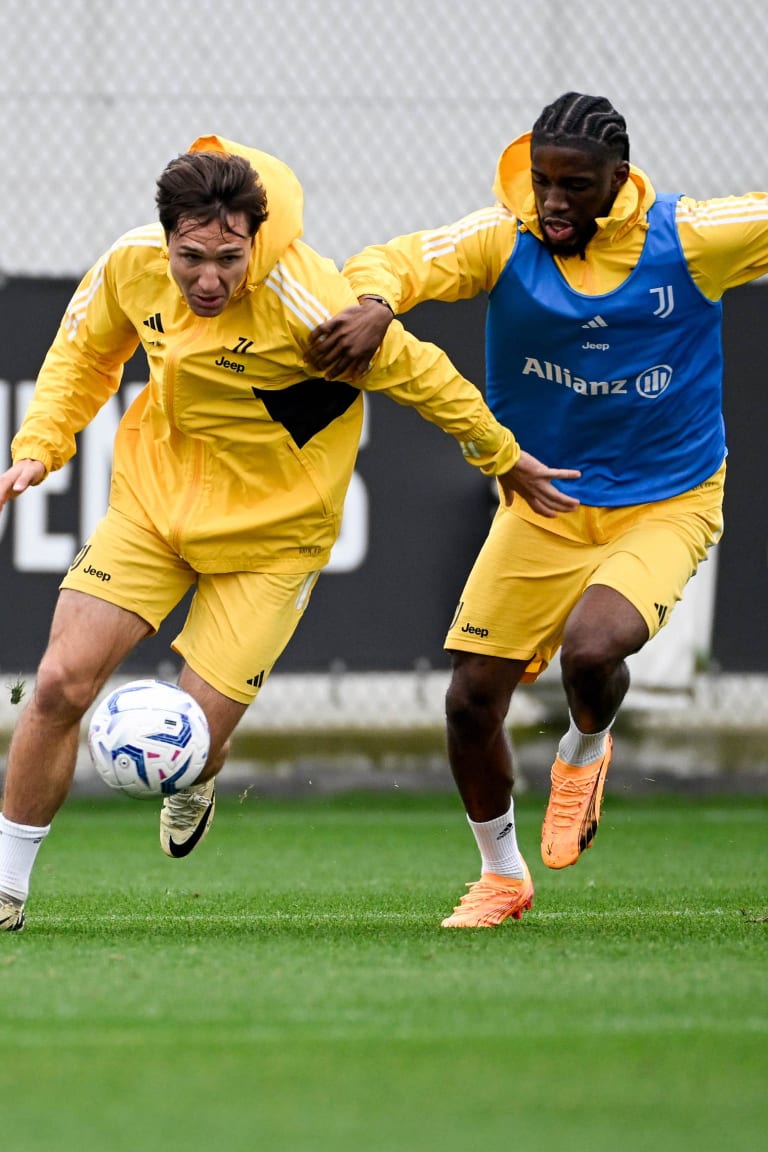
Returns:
(662,611)
(505,831)
(257,680)
(595,322)
(155,323)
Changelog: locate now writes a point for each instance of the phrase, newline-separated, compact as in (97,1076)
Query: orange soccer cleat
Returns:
(490,900)
(573,812)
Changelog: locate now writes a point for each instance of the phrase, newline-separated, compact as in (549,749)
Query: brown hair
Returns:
(204,186)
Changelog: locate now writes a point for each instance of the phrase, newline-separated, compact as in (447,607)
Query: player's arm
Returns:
(82,369)
(345,345)
(421,376)
(456,262)
(725,241)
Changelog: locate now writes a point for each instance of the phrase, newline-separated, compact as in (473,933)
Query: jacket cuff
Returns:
(494,453)
(26,450)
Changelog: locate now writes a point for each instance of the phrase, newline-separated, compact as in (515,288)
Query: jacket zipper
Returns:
(194,447)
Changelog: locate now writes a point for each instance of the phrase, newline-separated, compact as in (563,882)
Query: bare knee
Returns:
(602,630)
(585,657)
(478,696)
(60,693)
(593,658)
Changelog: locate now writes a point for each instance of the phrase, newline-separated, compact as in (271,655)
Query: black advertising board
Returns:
(416,514)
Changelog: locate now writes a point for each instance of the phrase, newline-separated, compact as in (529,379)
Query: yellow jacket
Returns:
(724,241)
(234,451)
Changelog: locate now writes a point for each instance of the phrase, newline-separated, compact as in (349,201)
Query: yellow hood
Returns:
(285,203)
(513,187)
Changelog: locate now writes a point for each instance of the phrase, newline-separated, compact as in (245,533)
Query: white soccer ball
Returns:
(148,738)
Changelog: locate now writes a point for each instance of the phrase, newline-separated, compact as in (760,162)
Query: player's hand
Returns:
(20,476)
(346,344)
(533,481)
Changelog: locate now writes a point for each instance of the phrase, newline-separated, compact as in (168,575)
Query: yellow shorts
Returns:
(531,570)
(238,622)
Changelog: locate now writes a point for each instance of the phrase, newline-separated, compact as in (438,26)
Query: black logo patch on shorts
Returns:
(80,557)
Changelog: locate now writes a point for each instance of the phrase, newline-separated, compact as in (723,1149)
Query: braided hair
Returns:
(590,123)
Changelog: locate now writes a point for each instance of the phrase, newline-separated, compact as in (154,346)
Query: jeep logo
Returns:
(91,571)
(475,631)
(233,367)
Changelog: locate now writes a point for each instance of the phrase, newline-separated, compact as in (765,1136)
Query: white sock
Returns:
(497,842)
(19,845)
(579,748)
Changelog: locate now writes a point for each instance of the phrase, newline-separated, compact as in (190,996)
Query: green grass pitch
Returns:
(288,987)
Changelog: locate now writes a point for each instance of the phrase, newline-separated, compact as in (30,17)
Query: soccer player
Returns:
(229,472)
(603,350)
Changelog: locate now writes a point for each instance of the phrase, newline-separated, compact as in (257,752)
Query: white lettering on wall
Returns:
(95,455)
(351,548)
(35,549)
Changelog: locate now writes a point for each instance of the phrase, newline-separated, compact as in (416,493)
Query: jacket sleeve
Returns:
(725,241)
(421,376)
(455,262)
(82,369)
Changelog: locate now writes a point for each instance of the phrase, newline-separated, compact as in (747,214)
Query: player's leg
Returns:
(222,713)
(649,555)
(88,639)
(603,629)
(479,749)
(119,588)
(480,756)
(504,631)
(187,815)
(229,648)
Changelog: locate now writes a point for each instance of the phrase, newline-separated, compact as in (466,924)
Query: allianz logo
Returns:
(654,381)
(649,383)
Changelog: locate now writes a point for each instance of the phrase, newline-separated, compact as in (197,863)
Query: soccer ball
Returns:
(148,738)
